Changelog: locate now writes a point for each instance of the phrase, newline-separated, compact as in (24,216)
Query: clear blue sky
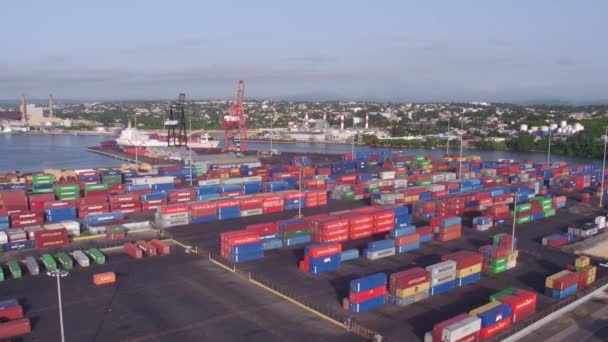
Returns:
(403,50)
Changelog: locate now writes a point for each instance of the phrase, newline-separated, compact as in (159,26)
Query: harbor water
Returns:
(37,152)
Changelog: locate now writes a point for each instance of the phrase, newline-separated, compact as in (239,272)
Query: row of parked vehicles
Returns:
(50,263)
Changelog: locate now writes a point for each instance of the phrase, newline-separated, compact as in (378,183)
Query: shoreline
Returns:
(87,133)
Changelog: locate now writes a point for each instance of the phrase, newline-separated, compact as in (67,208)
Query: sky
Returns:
(400,50)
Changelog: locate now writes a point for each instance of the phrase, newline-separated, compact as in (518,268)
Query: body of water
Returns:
(37,152)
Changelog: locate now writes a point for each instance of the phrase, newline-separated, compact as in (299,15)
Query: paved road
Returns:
(167,298)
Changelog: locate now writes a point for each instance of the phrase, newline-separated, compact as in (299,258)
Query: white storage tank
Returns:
(544,128)
(523,127)
(578,127)
(563,124)
(534,128)
(553,127)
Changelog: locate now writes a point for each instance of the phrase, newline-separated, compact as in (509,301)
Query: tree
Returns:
(523,143)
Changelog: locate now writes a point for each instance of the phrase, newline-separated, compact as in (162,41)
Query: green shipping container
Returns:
(95,187)
(67,187)
(417,158)
(69,197)
(498,262)
(547,206)
(66,262)
(116,230)
(348,195)
(422,183)
(524,219)
(297,233)
(111,181)
(97,256)
(42,179)
(498,269)
(48,262)
(523,207)
(502,293)
(549,212)
(42,191)
(498,181)
(496,238)
(1,274)
(15,269)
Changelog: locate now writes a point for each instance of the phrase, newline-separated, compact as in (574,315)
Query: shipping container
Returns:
(104,278)
(81,258)
(97,256)
(15,328)
(133,251)
(49,262)
(161,247)
(15,269)
(11,313)
(32,265)
(65,261)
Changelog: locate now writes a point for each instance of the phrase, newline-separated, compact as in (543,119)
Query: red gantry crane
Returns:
(235,123)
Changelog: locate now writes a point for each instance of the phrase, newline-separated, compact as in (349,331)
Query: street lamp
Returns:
(447,145)
(300,194)
(137,145)
(58,274)
(352,148)
(514,214)
(271,122)
(189,142)
(549,148)
(460,159)
(605,137)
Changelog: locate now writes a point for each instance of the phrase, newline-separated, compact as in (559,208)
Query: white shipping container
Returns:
(207,182)
(81,258)
(97,230)
(319,177)
(459,330)
(31,231)
(3,238)
(251,212)
(600,221)
(511,264)
(400,183)
(442,268)
(428,337)
(16,234)
(387,175)
(137,225)
(381,254)
(443,278)
(436,187)
(152,180)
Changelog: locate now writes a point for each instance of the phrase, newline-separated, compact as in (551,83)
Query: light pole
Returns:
(58,275)
(189,142)
(603,168)
(352,148)
(514,214)
(137,145)
(460,159)
(271,122)
(447,145)
(300,194)
(549,148)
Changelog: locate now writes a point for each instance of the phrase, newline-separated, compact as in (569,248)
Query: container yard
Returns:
(361,235)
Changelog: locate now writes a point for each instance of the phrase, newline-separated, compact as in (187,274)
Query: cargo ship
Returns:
(132,137)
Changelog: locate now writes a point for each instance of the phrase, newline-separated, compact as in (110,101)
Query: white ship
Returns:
(134,138)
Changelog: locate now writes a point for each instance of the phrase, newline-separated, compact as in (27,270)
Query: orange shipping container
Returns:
(104,278)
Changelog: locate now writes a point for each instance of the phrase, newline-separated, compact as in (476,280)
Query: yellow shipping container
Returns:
(484,308)
(512,255)
(549,280)
(412,198)
(410,291)
(590,269)
(581,261)
(465,272)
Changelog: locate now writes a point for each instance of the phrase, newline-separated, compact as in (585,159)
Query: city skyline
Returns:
(386,51)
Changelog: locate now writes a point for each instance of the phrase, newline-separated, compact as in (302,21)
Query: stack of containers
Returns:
(42,184)
(269,234)
(294,200)
(321,257)
(111,177)
(4,223)
(406,238)
(562,284)
(498,213)
(273,204)
(241,246)
(203,212)
(409,286)
(522,303)
(379,249)
(207,189)
(587,276)
(494,259)
(559,202)
(67,191)
(96,223)
(443,277)
(495,317)
(361,225)
(96,190)
(26,219)
(181,195)
(522,213)
(173,215)
(482,223)
(126,204)
(251,206)
(151,201)
(384,220)
(447,228)
(367,293)
(60,214)
(425,232)
(463,327)
(468,266)
(555,240)
(330,229)
(294,232)
(276,186)
(228,209)
(509,245)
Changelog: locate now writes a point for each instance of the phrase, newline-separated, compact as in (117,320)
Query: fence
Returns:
(340,318)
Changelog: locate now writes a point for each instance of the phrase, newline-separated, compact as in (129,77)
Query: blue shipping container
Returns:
(329,259)
(498,313)
(367,305)
(369,282)
(350,254)
(468,280)
(103,218)
(272,244)
(297,240)
(18,245)
(408,247)
(8,303)
(380,245)
(443,288)
(201,219)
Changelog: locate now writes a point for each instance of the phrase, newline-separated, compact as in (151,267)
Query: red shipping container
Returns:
(358,297)
(125,205)
(12,313)
(129,211)
(464,259)
(522,303)
(263,228)
(425,230)
(321,251)
(41,197)
(360,234)
(565,281)
(38,221)
(242,238)
(449,237)
(15,328)
(94,207)
(123,198)
(161,247)
(174,209)
(115,236)
(438,328)
(227,203)
(59,204)
(406,239)
(495,328)
(251,203)
(51,238)
(409,278)
(147,248)
(34,206)
(133,251)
